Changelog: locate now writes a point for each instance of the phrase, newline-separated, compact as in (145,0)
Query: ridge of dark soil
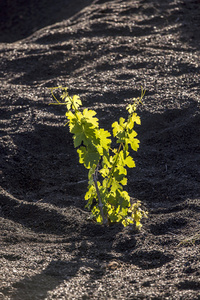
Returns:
(104,51)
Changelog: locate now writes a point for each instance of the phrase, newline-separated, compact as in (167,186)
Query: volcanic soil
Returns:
(104,51)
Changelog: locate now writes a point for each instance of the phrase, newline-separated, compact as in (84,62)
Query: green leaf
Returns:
(97,214)
(129,162)
(111,198)
(121,137)
(72,119)
(115,185)
(121,122)
(88,157)
(81,152)
(123,199)
(116,128)
(134,144)
(130,108)
(120,176)
(106,162)
(132,134)
(76,102)
(89,131)
(105,183)
(135,119)
(103,140)
(89,116)
(104,172)
(90,174)
(79,138)
(123,211)
(120,170)
(91,193)
(83,132)
(124,181)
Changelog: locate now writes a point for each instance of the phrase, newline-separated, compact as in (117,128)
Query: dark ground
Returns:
(104,51)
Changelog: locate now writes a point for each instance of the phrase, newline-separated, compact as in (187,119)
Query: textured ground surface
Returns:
(104,51)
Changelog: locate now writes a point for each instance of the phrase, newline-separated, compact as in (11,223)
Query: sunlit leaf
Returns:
(134,144)
(76,101)
(116,128)
(129,162)
(89,116)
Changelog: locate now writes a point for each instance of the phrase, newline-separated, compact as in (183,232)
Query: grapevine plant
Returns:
(107,175)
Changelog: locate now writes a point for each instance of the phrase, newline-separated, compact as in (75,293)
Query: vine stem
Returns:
(105,221)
